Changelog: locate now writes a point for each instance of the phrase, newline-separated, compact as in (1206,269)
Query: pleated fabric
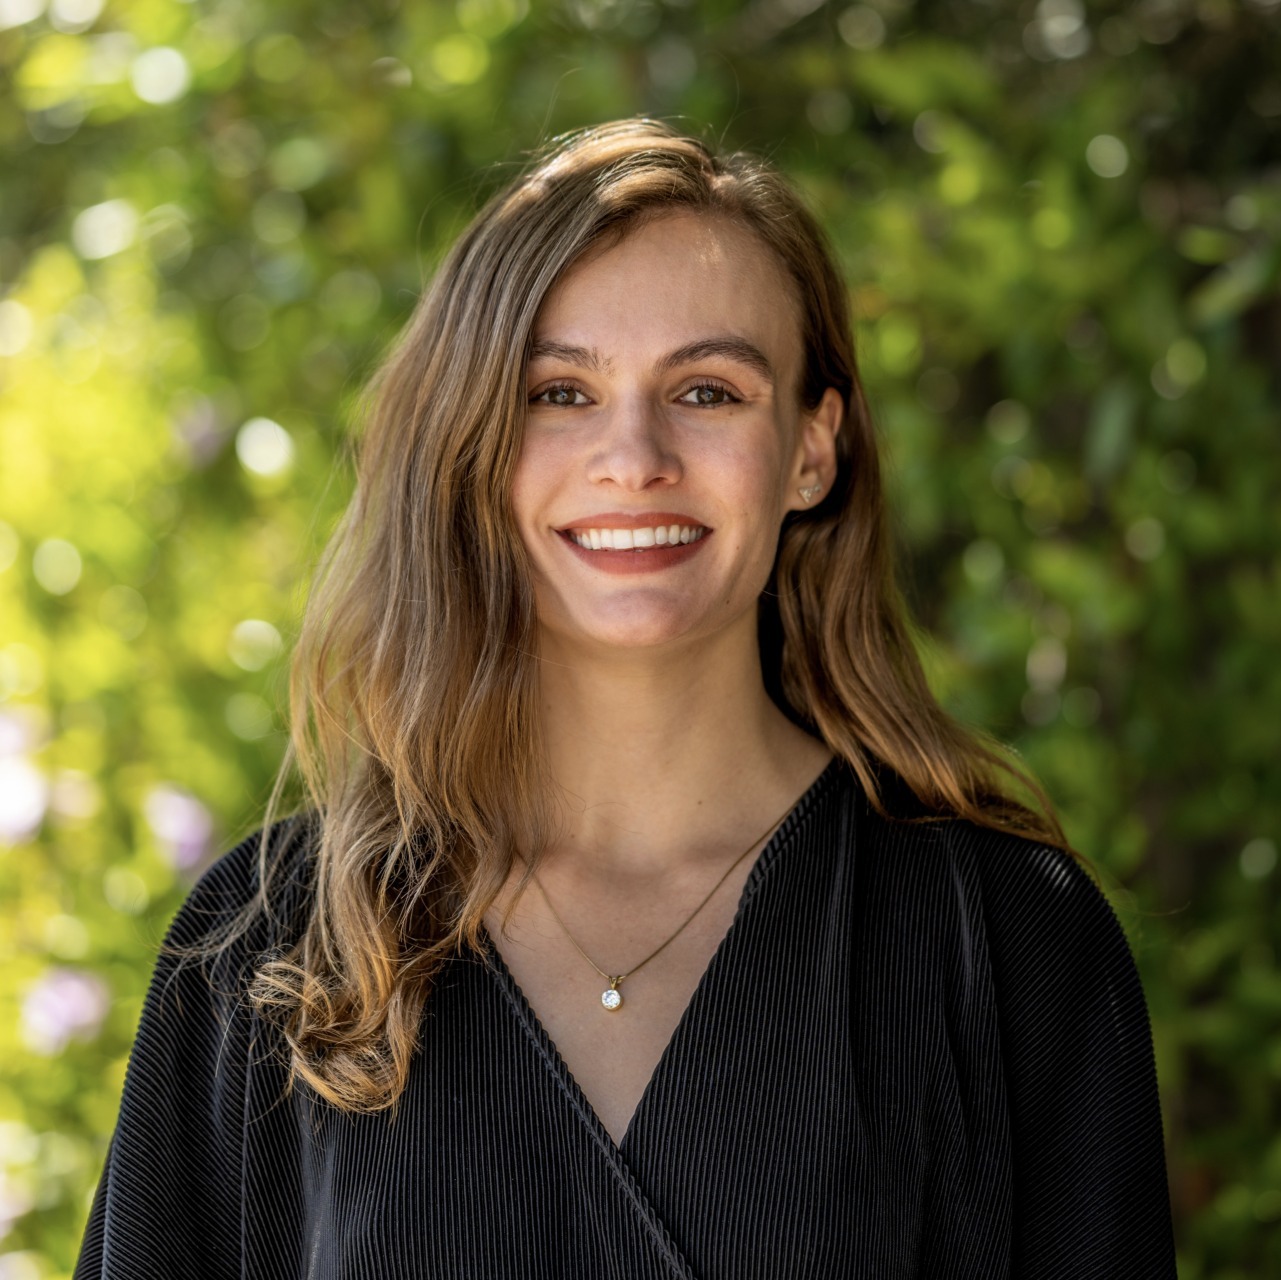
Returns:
(921,1050)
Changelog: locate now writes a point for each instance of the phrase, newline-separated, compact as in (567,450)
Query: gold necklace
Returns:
(611,997)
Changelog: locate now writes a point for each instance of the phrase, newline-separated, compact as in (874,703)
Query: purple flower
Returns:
(180,823)
(64,1004)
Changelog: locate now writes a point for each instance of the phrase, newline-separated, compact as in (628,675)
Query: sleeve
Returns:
(168,1203)
(1090,1196)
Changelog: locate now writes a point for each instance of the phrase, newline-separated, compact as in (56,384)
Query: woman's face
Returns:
(665,440)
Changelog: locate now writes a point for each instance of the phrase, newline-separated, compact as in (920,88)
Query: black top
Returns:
(920,1050)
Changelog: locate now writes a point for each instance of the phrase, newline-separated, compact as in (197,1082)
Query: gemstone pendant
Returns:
(612,997)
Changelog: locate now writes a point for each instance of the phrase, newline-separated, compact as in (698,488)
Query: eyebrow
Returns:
(587,357)
(727,347)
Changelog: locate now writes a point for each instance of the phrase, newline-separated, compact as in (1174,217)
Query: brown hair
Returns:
(412,685)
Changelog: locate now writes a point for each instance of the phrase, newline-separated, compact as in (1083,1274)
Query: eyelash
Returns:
(731,398)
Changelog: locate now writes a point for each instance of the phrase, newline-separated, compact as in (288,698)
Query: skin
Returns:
(668,753)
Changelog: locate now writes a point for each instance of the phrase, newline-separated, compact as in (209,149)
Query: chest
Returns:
(797,1099)
(790,1128)
(612,1054)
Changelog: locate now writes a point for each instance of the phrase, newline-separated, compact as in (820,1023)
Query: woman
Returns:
(651,918)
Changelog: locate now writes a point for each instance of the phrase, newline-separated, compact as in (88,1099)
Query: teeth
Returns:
(636,539)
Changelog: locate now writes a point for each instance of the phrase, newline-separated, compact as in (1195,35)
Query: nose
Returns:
(635,449)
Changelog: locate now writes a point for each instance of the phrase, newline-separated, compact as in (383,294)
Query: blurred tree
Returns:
(1060,224)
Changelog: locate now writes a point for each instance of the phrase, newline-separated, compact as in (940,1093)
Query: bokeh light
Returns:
(264,447)
(180,822)
(104,229)
(56,566)
(254,643)
(24,796)
(160,75)
(1107,156)
(64,1004)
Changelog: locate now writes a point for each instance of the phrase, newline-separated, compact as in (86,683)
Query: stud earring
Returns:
(808,491)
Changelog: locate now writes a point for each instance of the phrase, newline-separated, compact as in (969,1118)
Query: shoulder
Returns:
(251,901)
(1035,909)
(1062,971)
(1011,877)
(1019,874)
(1036,897)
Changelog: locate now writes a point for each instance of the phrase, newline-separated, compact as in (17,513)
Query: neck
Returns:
(659,758)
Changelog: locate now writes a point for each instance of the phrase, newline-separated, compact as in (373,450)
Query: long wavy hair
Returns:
(413,681)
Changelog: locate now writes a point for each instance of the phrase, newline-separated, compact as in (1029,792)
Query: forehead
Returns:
(675,278)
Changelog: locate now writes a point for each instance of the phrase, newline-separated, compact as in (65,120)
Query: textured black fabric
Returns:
(921,1050)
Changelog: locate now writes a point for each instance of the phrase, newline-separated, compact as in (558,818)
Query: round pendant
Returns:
(611,999)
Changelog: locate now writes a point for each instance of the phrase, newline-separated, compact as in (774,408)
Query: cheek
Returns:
(756,477)
(766,480)
(531,483)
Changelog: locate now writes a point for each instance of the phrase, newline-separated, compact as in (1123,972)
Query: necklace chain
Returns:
(611,998)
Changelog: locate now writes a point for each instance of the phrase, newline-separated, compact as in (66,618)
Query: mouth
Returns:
(634,538)
(635,542)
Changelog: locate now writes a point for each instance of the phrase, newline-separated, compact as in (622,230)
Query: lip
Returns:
(632,520)
(626,563)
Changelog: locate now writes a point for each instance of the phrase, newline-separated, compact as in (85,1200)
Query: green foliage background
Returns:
(1060,224)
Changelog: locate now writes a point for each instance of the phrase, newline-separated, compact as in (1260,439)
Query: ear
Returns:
(814,462)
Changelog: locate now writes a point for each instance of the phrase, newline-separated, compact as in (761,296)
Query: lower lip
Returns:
(648,560)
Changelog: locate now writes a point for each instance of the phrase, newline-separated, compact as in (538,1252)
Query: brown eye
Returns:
(710,395)
(560,396)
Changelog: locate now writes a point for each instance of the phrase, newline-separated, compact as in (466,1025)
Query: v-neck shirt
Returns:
(920,1050)
(534,1025)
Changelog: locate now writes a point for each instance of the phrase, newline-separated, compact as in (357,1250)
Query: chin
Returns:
(627,639)
(631,630)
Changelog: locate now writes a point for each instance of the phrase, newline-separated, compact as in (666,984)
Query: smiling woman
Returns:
(650,917)
(652,376)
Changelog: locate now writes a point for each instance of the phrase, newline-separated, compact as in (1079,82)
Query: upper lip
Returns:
(633,520)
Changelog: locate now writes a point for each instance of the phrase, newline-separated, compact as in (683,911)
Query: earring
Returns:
(809,490)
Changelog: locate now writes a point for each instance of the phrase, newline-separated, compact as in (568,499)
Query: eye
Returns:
(709,395)
(560,395)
